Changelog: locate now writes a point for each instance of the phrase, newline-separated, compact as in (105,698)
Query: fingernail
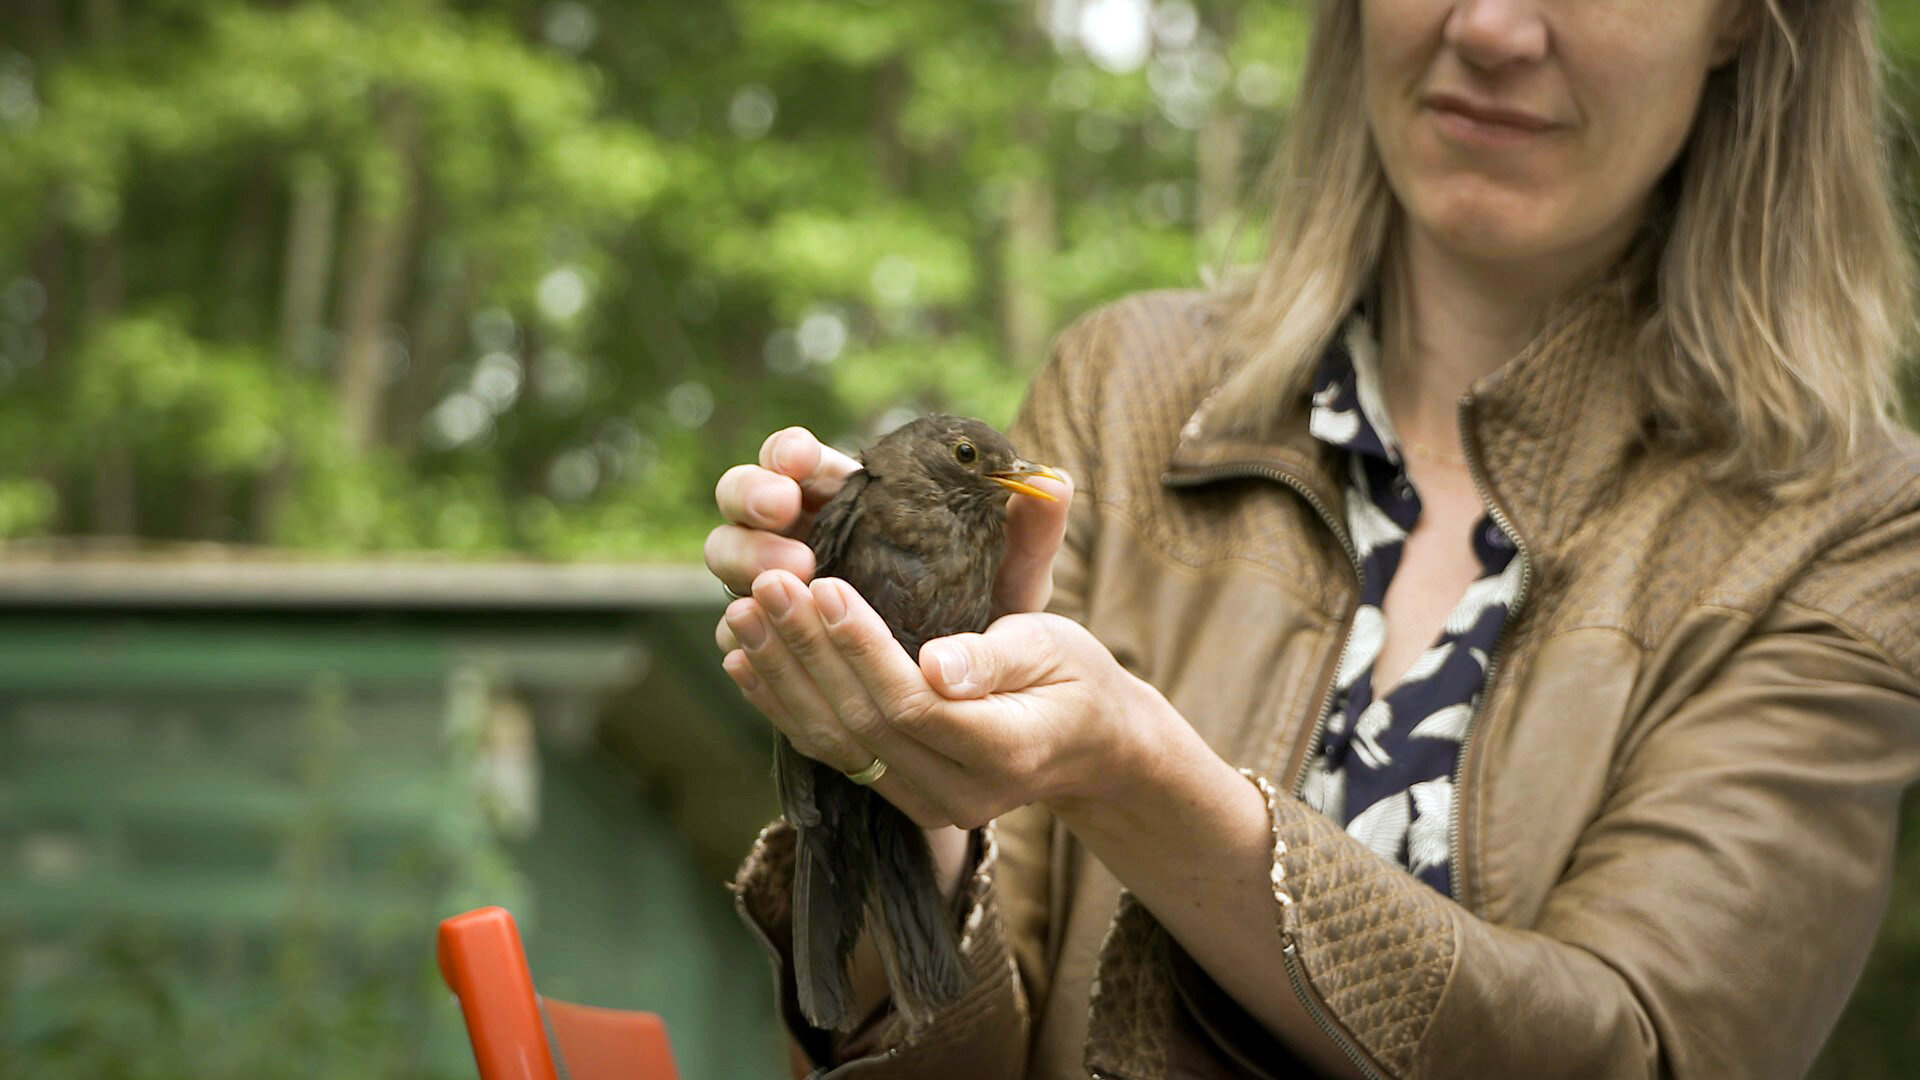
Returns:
(740,670)
(953,667)
(832,605)
(777,599)
(783,449)
(765,506)
(748,628)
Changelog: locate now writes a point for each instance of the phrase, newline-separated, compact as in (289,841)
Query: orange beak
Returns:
(1014,479)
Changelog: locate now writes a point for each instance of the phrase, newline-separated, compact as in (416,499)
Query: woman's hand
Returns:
(1033,710)
(770,506)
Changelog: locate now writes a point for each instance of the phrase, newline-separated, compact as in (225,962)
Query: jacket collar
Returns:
(1548,432)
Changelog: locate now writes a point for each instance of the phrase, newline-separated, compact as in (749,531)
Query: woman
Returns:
(1530,530)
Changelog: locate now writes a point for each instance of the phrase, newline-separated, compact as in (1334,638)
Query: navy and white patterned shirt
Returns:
(1385,766)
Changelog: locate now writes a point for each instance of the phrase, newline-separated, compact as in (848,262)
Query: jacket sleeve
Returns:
(1003,907)
(1713,916)
(1052,428)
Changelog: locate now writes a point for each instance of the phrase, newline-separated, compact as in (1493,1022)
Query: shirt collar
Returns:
(1349,407)
(1548,433)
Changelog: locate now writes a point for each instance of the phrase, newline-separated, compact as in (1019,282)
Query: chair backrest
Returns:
(516,1035)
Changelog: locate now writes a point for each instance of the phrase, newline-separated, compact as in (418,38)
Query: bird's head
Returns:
(965,459)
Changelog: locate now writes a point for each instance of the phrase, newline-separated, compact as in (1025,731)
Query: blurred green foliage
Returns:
(355,275)
(359,276)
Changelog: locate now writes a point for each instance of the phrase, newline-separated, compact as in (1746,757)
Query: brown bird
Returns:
(919,533)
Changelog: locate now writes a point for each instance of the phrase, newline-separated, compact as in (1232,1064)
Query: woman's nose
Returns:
(1492,34)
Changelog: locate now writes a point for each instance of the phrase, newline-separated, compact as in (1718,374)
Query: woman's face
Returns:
(1513,130)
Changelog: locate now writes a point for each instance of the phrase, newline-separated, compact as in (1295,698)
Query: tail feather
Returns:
(822,915)
(831,876)
(918,942)
(857,854)
(793,782)
(824,989)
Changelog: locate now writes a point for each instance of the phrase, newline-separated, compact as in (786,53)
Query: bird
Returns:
(918,531)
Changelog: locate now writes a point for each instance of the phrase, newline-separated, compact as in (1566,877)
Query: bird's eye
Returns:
(965,453)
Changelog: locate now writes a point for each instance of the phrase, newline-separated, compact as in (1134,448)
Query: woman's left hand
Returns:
(1033,710)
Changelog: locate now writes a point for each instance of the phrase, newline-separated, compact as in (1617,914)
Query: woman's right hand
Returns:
(769,508)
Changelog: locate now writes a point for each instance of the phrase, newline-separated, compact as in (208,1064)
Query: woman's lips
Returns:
(1467,122)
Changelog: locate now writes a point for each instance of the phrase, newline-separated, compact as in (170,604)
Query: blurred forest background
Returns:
(523,277)
(507,275)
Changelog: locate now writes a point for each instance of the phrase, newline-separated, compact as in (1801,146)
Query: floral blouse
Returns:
(1385,766)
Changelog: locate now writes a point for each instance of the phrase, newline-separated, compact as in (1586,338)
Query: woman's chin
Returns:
(1489,235)
(1495,224)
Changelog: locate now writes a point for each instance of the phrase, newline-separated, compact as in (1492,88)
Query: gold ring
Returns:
(869,774)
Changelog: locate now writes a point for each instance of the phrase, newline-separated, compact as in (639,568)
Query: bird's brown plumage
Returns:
(919,533)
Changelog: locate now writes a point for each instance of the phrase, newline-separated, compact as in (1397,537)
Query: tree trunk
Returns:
(115,491)
(37,31)
(435,333)
(303,279)
(115,482)
(206,505)
(675,356)
(303,296)
(1220,153)
(890,155)
(1219,150)
(373,275)
(115,494)
(1032,234)
(433,336)
(245,256)
(103,20)
(37,26)
(51,267)
(1026,311)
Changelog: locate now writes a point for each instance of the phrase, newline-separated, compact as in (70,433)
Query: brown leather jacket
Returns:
(1676,807)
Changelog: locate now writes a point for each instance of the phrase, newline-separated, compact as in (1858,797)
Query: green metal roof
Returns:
(218,578)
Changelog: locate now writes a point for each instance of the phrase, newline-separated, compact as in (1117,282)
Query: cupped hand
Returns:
(1035,709)
(769,508)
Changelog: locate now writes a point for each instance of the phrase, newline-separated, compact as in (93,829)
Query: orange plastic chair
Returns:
(518,1035)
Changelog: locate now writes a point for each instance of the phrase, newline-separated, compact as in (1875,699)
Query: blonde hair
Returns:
(1775,283)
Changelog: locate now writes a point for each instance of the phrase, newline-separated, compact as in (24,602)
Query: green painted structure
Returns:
(236,797)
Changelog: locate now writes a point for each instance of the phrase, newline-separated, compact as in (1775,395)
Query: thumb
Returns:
(1035,528)
(1017,652)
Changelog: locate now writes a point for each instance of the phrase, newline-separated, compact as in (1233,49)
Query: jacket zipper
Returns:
(1302,990)
(1454,826)
(1222,472)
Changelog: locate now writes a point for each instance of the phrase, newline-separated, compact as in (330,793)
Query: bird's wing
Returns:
(833,527)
